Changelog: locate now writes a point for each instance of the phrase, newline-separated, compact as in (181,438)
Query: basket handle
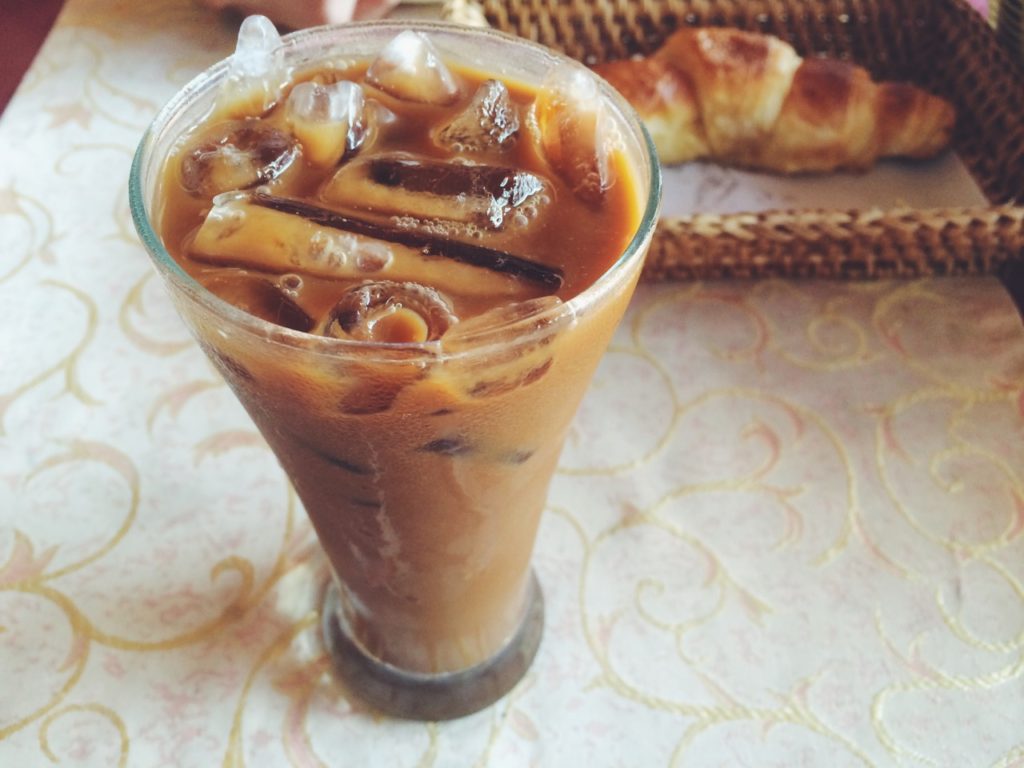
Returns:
(855,244)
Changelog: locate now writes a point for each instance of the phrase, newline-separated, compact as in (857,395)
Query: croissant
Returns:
(750,100)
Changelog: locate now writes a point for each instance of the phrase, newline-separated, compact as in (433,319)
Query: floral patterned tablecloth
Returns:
(787,529)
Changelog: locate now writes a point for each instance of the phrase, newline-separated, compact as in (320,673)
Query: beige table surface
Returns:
(788,527)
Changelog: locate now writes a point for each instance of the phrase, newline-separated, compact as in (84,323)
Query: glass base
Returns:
(446,696)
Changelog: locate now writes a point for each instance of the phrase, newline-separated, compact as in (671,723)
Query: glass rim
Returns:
(273,332)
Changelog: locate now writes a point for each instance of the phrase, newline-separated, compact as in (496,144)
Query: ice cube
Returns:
(259,297)
(518,336)
(290,284)
(509,322)
(378,117)
(234,155)
(256,70)
(327,119)
(245,230)
(258,48)
(410,68)
(408,185)
(489,122)
(390,312)
(576,132)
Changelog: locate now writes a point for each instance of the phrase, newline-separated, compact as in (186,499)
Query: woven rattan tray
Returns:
(941,45)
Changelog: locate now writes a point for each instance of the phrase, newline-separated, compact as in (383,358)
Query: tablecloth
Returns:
(787,528)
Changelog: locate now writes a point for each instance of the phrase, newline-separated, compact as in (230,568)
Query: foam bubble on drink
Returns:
(530,210)
(290,284)
(343,252)
(256,70)
(328,120)
(442,229)
(576,132)
(489,122)
(410,68)
(326,250)
(372,256)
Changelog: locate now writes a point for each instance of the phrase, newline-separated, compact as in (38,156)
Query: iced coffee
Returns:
(406,249)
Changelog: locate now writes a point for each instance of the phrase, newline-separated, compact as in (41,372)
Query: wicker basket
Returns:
(941,45)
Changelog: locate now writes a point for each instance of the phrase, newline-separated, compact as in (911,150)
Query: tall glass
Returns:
(423,469)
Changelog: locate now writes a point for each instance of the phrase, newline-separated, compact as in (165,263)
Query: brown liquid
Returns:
(423,476)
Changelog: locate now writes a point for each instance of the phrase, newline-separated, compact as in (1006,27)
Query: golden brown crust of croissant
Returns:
(828,120)
(748,99)
(913,123)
